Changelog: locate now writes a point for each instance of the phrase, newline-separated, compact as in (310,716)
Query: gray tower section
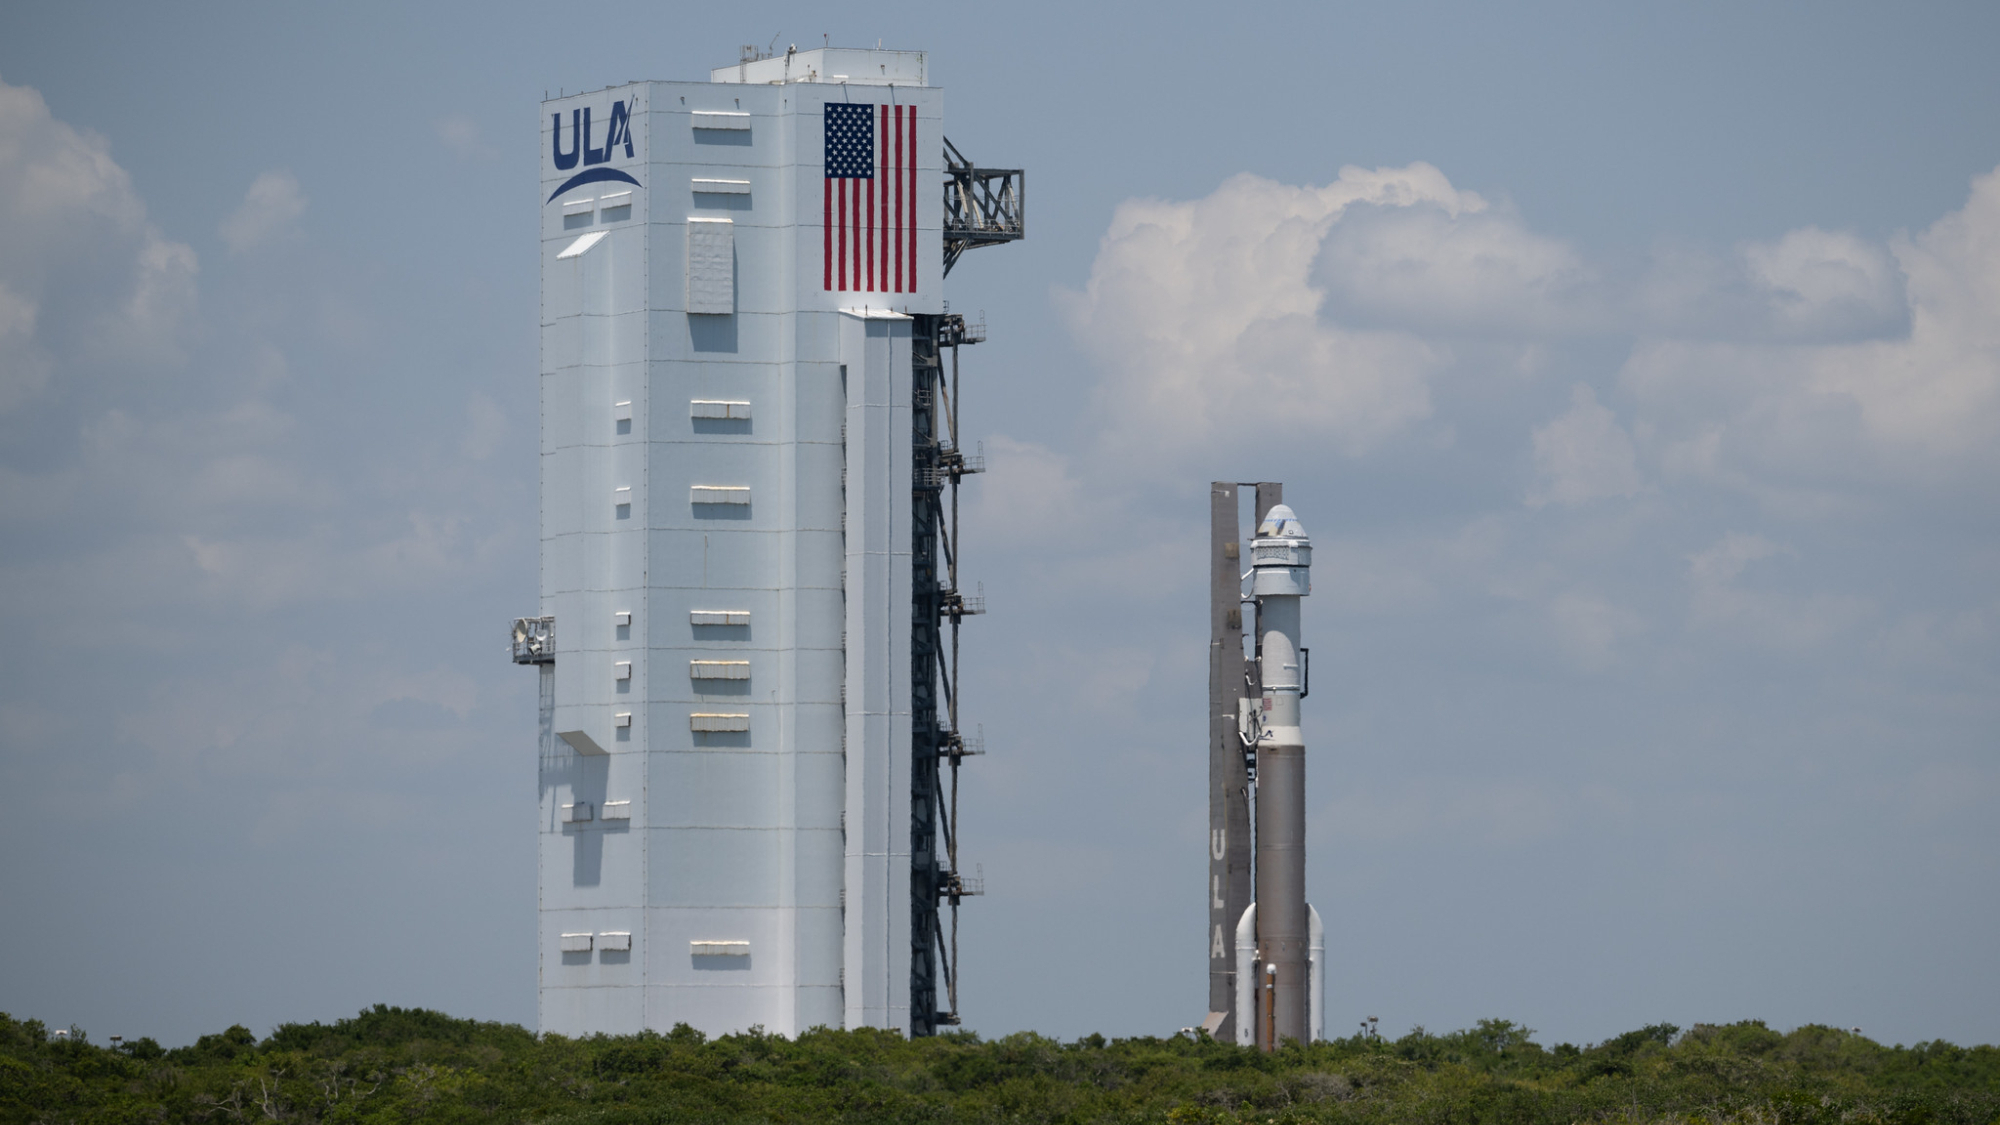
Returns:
(725,567)
(1231,678)
(1229,886)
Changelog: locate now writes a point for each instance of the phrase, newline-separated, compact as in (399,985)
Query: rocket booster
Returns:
(1281,560)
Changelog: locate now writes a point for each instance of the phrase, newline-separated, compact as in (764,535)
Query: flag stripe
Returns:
(883,175)
(899,197)
(913,198)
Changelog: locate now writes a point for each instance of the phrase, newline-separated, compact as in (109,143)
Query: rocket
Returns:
(1275,990)
(1281,574)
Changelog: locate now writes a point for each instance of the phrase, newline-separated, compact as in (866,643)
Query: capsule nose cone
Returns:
(1280,522)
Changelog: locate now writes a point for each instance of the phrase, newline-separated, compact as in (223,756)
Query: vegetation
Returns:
(398,1065)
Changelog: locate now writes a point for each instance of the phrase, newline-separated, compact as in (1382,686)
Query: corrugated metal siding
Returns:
(718,722)
(711,266)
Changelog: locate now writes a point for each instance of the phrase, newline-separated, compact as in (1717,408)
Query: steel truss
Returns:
(982,206)
(937,742)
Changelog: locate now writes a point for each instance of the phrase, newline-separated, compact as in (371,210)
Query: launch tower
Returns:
(749,461)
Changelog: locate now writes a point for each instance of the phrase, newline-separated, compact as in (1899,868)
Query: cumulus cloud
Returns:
(1429,267)
(1032,496)
(1923,405)
(270,210)
(24,368)
(84,279)
(1206,322)
(1722,603)
(1802,368)
(1269,312)
(1809,286)
(207,496)
(1583,455)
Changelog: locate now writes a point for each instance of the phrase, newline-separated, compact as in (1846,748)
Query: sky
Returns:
(1636,373)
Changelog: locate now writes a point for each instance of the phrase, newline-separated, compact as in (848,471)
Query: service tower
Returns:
(748,431)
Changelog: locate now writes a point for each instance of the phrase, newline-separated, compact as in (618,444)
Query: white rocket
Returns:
(1279,941)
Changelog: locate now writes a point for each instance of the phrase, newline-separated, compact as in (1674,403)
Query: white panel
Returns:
(582,245)
(722,187)
(615,199)
(719,494)
(709,119)
(876,351)
(622,617)
(621,411)
(711,266)
(615,941)
(720,789)
(719,669)
(715,722)
(718,408)
(719,617)
(622,720)
(579,207)
(576,812)
(622,494)
(719,948)
(616,810)
(577,943)
(621,670)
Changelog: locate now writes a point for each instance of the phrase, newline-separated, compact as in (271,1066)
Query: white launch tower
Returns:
(742,338)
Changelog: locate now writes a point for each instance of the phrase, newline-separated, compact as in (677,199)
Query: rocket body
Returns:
(1281,558)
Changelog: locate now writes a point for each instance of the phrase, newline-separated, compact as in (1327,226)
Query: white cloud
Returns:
(270,209)
(1583,454)
(1917,407)
(1204,318)
(1811,286)
(1030,497)
(24,368)
(83,278)
(1724,561)
(1767,618)
(1826,284)
(1267,312)
(203,499)
(1438,270)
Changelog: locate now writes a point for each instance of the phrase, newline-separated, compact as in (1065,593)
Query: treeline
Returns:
(402,1065)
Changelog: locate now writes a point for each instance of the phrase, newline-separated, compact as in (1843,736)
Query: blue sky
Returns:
(1637,374)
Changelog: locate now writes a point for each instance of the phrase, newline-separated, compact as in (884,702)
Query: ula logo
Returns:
(618,131)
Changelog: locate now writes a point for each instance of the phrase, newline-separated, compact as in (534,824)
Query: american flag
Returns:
(870,226)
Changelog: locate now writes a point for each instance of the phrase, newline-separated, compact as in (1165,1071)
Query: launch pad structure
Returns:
(1266,944)
(750,605)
